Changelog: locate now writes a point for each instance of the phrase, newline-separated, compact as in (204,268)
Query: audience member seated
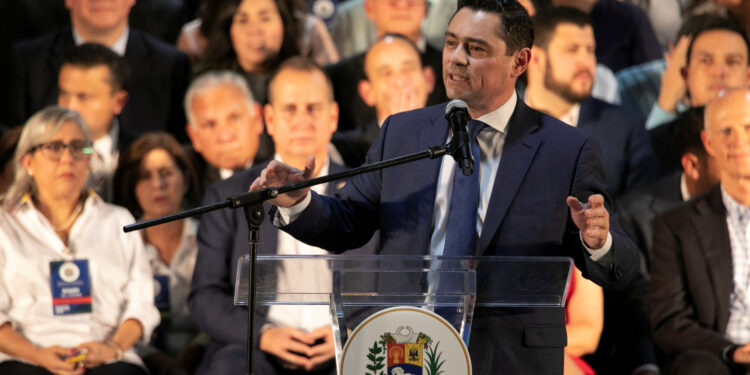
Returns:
(72,284)
(584,319)
(314,39)
(155,178)
(624,36)
(697,175)
(605,83)
(92,82)
(395,81)
(255,36)
(158,72)
(698,289)
(560,77)
(638,208)
(353,29)
(390,17)
(715,60)
(224,125)
(8,143)
(301,117)
(640,85)
(668,16)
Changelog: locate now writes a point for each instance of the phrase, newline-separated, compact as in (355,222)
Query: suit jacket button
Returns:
(618,271)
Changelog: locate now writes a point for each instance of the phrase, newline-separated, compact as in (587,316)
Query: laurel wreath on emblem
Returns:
(378,355)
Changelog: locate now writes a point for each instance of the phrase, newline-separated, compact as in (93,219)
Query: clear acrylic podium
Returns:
(450,286)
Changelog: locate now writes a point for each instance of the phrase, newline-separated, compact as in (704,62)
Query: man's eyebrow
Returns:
(467,39)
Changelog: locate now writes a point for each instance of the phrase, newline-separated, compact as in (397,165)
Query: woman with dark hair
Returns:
(155,178)
(254,36)
(75,291)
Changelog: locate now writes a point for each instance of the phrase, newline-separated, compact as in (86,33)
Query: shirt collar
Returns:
(684,192)
(106,144)
(91,199)
(735,210)
(421,44)
(119,46)
(498,119)
(571,117)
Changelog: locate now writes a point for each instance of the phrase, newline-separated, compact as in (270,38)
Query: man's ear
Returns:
(334,112)
(707,143)
(429,77)
(268,117)
(365,92)
(121,98)
(368,5)
(256,116)
(195,139)
(521,62)
(690,165)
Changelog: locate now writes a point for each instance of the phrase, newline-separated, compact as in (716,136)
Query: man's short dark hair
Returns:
(546,20)
(515,26)
(91,55)
(711,23)
(687,133)
(300,64)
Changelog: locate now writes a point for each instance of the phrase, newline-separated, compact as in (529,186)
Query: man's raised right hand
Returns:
(279,174)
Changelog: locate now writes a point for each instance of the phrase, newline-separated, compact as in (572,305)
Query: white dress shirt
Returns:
(182,328)
(314,275)
(738,224)
(104,162)
(121,281)
(119,46)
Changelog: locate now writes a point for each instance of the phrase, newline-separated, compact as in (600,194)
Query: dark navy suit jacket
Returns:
(159,75)
(627,156)
(543,161)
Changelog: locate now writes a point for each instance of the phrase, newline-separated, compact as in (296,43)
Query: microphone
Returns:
(457,114)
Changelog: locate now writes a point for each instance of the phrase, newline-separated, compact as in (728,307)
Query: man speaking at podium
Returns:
(538,189)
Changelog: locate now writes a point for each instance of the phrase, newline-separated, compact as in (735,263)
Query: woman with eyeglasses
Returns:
(76,293)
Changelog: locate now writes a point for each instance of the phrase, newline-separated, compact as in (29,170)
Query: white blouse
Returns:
(121,282)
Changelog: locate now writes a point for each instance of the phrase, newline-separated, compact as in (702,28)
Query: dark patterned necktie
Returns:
(461,230)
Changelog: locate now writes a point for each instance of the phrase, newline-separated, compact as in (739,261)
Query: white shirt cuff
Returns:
(287,215)
(599,253)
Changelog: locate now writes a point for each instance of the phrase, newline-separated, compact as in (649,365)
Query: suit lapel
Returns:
(431,135)
(518,152)
(710,226)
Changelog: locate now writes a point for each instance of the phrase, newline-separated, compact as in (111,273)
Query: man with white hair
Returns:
(224,125)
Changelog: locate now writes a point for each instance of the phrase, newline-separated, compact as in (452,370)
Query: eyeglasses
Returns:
(79,150)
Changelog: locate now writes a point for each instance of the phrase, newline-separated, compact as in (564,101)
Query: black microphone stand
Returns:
(252,203)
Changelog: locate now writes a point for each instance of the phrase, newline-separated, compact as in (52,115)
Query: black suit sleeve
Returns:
(673,317)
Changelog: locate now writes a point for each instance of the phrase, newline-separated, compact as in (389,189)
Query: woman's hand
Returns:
(99,353)
(51,359)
